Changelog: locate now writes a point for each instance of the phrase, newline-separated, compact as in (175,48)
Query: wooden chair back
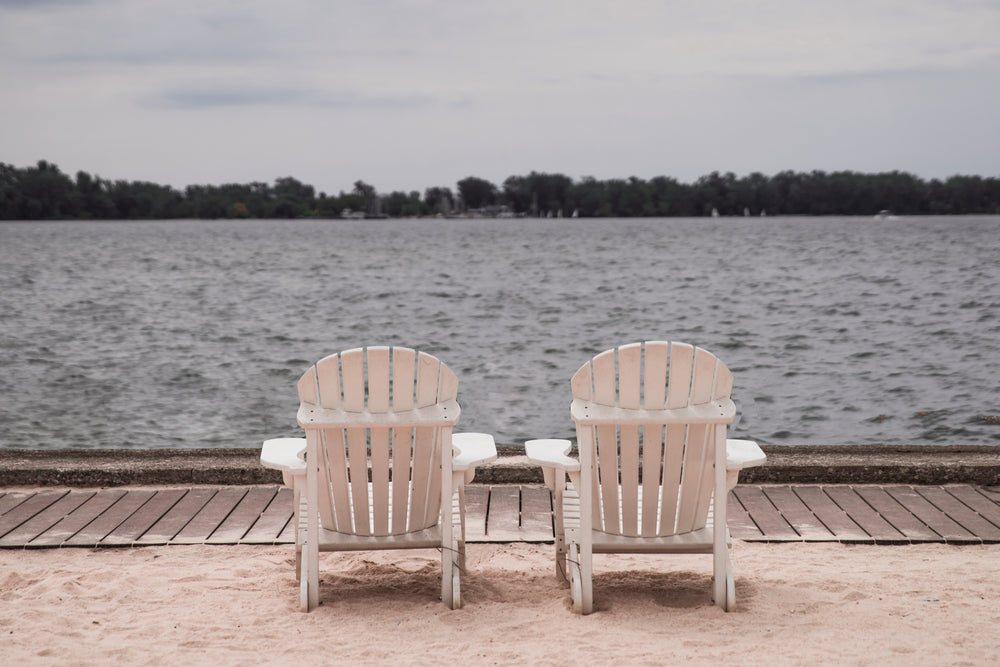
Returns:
(381,446)
(652,453)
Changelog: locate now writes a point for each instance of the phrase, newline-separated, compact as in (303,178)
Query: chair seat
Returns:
(428,538)
(694,542)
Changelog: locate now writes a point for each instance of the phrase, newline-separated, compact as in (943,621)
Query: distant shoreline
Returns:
(43,192)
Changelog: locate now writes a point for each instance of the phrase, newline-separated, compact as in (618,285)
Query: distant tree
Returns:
(438,201)
(477,192)
(401,205)
(45,193)
(368,196)
(293,198)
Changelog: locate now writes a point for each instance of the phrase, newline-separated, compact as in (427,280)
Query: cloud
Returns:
(200,97)
(336,90)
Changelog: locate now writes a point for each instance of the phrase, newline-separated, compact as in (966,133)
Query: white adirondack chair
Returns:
(379,467)
(651,430)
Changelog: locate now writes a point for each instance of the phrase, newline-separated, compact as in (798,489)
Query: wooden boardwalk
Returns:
(125,517)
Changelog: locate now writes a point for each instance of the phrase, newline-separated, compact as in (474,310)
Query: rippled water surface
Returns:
(193,333)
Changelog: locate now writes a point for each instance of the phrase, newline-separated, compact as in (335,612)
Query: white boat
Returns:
(886,214)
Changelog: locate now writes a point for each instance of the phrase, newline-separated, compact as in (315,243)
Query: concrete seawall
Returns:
(857,464)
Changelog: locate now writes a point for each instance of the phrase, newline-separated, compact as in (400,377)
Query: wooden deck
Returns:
(125,517)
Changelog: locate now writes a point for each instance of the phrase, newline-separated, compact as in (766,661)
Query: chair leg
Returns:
(730,587)
(297,505)
(303,584)
(447,574)
(456,587)
(586,581)
(560,537)
(458,540)
(723,586)
(575,579)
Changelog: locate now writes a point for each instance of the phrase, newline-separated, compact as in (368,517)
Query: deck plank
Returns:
(287,535)
(899,516)
(832,516)
(861,513)
(140,521)
(243,516)
(12,499)
(78,519)
(796,513)
(44,520)
(270,525)
(476,500)
(28,508)
(937,520)
(767,518)
(536,514)
(960,513)
(975,499)
(211,516)
(171,523)
(741,526)
(116,514)
(503,514)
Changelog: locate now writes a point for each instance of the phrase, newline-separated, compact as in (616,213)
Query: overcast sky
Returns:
(407,94)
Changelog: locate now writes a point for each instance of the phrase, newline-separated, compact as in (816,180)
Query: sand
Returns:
(798,604)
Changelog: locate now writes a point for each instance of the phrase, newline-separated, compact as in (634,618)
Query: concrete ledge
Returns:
(856,464)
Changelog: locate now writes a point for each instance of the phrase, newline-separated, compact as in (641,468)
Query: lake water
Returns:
(193,333)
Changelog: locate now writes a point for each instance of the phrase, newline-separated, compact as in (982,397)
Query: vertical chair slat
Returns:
(352,366)
(403,378)
(652,459)
(380,480)
(607,455)
(694,462)
(581,384)
(629,466)
(604,378)
(630,376)
(448,385)
(723,382)
(328,381)
(654,384)
(308,392)
(433,509)
(679,381)
(703,378)
(357,455)
(378,379)
(427,380)
(423,451)
(327,518)
(402,452)
(338,489)
(705,488)
(673,462)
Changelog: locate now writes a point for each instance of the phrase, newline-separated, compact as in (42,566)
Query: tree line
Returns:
(43,192)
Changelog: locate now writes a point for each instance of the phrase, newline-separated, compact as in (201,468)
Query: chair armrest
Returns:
(284,454)
(551,453)
(743,454)
(471,450)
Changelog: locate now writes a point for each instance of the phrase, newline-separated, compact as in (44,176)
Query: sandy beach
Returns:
(799,603)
